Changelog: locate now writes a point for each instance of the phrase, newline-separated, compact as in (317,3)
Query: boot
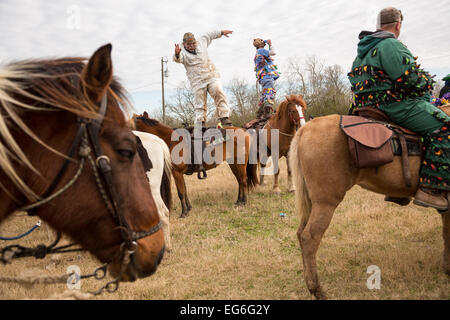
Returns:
(225,122)
(264,112)
(429,198)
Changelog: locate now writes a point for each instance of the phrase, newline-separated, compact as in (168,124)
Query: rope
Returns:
(72,295)
(37,225)
(30,280)
(286,134)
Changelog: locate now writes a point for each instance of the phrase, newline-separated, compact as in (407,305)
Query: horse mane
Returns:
(282,109)
(150,121)
(43,85)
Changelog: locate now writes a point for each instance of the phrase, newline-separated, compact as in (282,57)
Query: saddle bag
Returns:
(368,141)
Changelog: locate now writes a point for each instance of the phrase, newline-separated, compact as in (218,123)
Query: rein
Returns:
(87,135)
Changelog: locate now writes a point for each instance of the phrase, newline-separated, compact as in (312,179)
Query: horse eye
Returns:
(126,153)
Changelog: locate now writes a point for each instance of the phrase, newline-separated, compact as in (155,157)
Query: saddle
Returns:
(255,124)
(374,140)
(209,140)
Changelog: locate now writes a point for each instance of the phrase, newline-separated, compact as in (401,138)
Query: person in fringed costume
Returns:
(266,73)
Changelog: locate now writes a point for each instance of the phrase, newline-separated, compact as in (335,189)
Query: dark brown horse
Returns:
(323,173)
(68,154)
(287,119)
(244,171)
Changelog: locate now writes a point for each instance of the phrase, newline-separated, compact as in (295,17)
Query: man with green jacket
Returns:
(385,75)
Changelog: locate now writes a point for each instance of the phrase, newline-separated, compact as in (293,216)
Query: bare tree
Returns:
(325,88)
(244,99)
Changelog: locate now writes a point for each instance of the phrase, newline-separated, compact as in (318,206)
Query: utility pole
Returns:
(164,73)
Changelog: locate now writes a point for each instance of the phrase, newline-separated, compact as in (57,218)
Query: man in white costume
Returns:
(202,75)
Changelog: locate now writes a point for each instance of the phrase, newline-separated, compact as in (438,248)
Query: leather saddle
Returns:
(211,137)
(374,140)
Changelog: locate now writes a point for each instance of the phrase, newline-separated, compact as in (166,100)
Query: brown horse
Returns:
(68,154)
(287,119)
(244,171)
(323,173)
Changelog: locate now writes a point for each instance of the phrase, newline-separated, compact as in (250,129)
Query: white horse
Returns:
(159,177)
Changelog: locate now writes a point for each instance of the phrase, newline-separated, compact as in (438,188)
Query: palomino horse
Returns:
(67,153)
(159,177)
(323,173)
(287,119)
(244,171)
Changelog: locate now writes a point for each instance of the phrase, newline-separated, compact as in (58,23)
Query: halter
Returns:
(88,129)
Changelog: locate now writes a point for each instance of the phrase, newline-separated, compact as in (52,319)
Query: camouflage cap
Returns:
(389,15)
(258,43)
(188,36)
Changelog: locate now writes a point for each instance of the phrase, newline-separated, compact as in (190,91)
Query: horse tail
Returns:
(252,168)
(252,175)
(165,188)
(303,202)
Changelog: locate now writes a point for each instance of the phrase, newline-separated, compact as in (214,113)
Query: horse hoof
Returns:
(319,294)
(291,190)
(277,192)
(184,214)
(239,203)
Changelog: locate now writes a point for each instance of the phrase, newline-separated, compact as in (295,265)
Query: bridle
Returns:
(87,136)
(297,123)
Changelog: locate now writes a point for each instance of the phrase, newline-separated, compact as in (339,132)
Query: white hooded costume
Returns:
(203,77)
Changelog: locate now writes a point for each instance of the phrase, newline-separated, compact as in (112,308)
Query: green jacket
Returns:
(385,75)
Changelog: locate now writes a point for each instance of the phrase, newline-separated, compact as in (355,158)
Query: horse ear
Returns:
(97,74)
(145,114)
(289,98)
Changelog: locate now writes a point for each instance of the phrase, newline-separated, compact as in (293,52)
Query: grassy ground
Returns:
(225,252)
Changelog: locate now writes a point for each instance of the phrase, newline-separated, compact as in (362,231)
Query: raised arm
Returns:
(271,48)
(210,36)
(177,55)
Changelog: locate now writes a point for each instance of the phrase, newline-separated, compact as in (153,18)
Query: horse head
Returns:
(66,130)
(293,107)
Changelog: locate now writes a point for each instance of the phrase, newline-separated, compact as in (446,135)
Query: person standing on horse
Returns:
(385,75)
(266,73)
(202,74)
(204,79)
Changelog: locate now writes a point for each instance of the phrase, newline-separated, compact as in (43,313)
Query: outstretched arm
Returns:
(210,36)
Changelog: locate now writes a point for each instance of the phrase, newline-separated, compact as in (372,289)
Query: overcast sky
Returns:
(142,32)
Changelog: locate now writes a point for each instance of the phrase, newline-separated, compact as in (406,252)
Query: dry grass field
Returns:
(225,252)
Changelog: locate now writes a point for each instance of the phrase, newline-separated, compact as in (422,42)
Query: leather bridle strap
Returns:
(103,164)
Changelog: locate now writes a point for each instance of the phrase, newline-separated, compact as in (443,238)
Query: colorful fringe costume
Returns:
(266,73)
(385,75)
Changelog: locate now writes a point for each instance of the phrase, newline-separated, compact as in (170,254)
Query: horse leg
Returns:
(261,176)
(291,187)
(239,173)
(276,188)
(182,193)
(310,234)
(446,236)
